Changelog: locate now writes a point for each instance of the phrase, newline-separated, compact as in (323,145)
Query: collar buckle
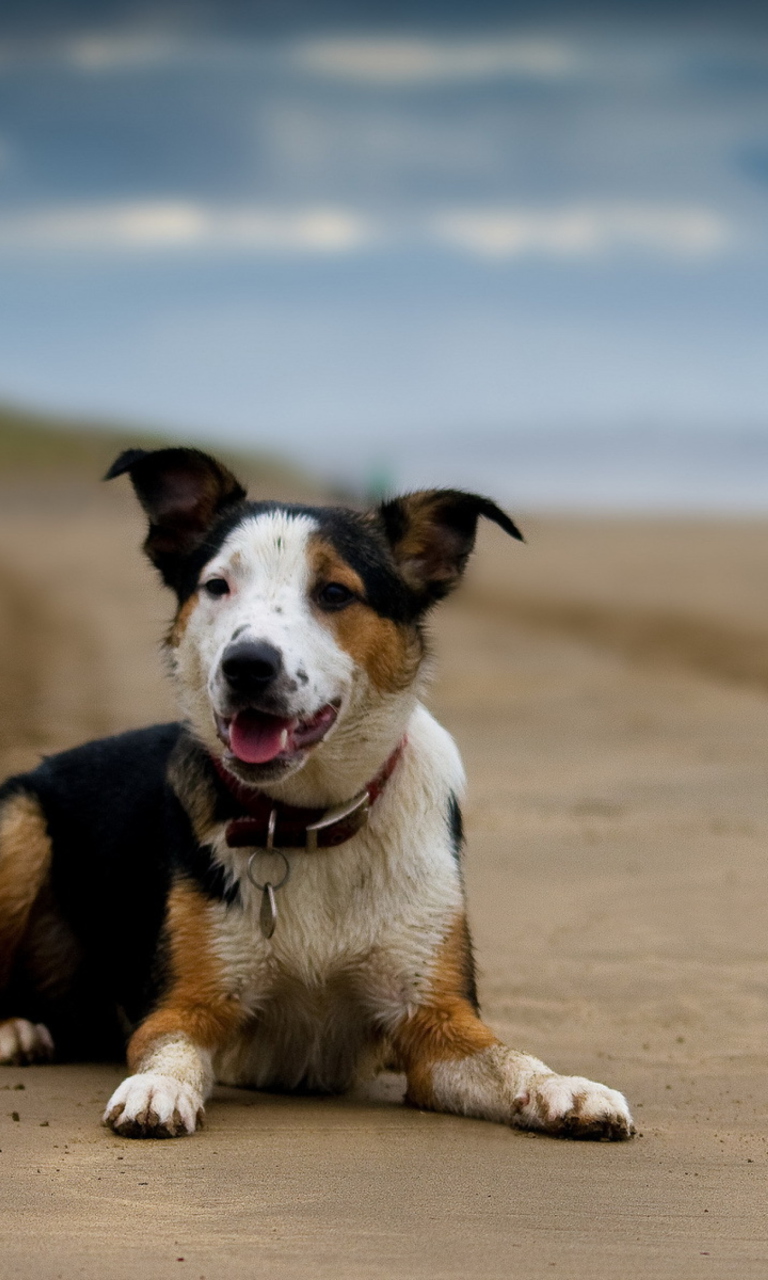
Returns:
(272,823)
(356,808)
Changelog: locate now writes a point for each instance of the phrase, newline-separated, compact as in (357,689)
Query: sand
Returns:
(607,685)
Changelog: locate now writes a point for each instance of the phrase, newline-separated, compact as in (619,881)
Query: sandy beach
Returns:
(608,687)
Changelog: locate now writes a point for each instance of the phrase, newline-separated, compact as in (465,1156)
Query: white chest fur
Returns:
(357,932)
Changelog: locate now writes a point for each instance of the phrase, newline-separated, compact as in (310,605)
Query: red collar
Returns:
(271,824)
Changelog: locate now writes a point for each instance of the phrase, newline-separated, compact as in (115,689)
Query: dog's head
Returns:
(293,619)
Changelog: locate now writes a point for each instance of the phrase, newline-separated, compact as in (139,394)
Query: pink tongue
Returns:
(256,738)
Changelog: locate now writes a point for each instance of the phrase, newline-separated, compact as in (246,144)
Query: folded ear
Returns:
(432,534)
(183,491)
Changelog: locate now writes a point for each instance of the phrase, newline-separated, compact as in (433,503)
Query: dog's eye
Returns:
(216,587)
(334,595)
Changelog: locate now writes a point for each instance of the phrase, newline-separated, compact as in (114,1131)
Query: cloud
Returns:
(505,232)
(578,231)
(137,48)
(156,226)
(94,51)
(396,61)
(407,61)
(123,50)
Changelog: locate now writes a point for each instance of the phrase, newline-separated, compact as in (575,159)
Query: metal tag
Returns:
(268,909)
(268,912)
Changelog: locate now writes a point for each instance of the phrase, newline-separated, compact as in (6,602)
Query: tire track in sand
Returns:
(722,651)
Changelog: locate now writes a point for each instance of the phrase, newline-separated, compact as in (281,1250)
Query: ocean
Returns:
(630,470)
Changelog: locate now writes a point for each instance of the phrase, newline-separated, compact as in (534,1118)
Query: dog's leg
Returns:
(170,1054)
(25,860)
(165,1096)
(23,1042)
(455,1063)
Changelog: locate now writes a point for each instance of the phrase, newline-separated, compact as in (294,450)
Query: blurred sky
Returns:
(517,247)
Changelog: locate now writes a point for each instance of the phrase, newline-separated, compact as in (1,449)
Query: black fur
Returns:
(456,828)
(208,875)
(119,835)
(361,544)
(183,492)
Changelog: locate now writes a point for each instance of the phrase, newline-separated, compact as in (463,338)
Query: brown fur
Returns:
(388,652)
(445,1027)
(179,624)
(429,549)
(196,1002)
(25,861)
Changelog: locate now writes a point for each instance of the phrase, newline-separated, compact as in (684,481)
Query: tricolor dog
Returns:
(269,893)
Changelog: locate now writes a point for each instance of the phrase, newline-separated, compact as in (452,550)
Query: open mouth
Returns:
(254,737)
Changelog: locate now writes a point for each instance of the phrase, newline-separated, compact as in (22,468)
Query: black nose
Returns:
(250,667)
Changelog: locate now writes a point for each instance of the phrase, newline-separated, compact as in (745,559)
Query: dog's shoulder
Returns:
(427,788)
(434,749)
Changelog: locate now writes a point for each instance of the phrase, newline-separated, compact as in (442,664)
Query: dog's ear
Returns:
(432,534)
(183,491)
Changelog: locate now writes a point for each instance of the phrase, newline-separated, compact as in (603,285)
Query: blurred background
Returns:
(519,247)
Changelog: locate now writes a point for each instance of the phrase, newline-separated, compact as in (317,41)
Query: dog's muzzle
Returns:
(251,668)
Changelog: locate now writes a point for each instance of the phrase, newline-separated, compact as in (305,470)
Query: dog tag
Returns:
(268,912)
(268,909)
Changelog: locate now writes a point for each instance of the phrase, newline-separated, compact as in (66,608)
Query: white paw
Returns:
(572,1107)
(22,1042)
(151,1105)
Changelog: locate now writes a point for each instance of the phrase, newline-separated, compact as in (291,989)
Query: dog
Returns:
(269,893)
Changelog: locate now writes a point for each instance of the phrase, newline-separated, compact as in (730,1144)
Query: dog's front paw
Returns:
(151,1105)
(23,1042)
(572,1107)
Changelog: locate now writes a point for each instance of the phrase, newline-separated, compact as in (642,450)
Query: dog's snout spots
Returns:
(240,631)
(302,676)
(249,668)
